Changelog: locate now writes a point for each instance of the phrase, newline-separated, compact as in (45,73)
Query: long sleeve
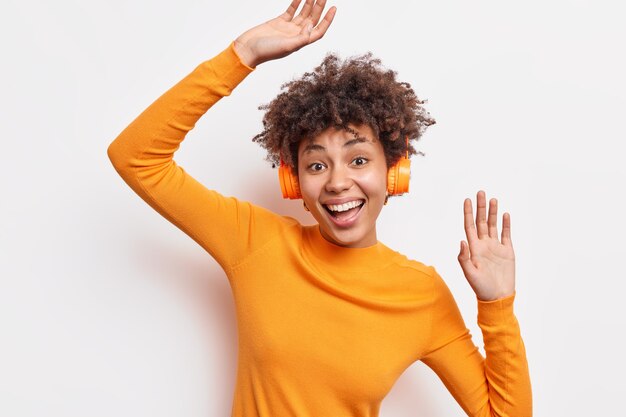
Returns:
(498,385)
(142,154)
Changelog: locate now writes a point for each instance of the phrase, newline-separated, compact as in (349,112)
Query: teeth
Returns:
(346,206)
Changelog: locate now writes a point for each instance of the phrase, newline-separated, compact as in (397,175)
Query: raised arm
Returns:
(498,385)
(143,152)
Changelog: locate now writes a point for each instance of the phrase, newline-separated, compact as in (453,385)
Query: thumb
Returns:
(464,258)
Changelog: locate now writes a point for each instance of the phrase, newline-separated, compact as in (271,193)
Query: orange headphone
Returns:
(397,177)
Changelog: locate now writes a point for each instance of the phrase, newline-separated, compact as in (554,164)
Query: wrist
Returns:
(244,54)
(494,298)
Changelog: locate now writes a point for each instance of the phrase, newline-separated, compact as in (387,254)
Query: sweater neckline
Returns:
(344,258)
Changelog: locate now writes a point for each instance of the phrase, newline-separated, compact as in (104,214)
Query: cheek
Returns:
(309,189)
(375,183)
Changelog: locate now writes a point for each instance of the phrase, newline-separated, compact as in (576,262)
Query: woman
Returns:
(328,316)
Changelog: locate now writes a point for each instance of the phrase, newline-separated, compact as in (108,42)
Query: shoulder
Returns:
(257,213)
(413,266)
(414,272)
(259,225)
(265,214)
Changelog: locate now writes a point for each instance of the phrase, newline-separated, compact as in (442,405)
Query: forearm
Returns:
(506,366)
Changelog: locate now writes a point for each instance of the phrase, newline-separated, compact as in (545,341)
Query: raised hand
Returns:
(284,34)
(488,263)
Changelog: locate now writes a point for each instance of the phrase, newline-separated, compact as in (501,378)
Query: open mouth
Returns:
(343,212)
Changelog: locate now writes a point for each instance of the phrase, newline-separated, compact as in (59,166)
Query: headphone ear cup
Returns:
(288,182)
(398,177)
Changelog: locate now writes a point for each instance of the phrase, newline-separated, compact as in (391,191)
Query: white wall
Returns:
(107,309)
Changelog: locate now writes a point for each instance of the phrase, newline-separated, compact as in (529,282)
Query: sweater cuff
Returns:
(228,68)
(232,48)
(496,311)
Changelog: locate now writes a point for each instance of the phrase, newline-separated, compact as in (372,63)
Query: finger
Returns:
(492,221)
(305,12)
(317,11)
(321,29)
(481,215)
(291,10)
(506,229)
(468,217)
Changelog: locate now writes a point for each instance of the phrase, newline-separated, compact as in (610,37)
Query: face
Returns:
(343,182)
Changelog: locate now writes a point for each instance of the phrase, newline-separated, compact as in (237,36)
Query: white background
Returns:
(107,309)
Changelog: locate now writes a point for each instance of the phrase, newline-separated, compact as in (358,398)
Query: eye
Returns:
(316,167)
(359,160)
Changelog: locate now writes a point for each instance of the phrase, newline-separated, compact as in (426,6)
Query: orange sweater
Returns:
(324,331)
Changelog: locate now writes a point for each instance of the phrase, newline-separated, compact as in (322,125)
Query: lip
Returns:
(346,222)
(338,201)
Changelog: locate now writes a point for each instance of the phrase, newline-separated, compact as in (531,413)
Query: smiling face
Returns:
(343,182)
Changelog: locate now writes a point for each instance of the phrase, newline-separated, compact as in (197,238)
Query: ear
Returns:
(288,182)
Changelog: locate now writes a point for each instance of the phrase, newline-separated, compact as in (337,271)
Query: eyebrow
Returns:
(311,147)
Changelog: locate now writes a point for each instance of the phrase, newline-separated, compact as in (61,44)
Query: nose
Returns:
(338,180)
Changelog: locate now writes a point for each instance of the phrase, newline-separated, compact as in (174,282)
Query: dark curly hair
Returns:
(355,91)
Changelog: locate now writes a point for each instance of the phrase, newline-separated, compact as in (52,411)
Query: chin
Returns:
(348,238)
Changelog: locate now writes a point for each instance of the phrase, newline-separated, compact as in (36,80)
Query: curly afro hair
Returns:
(338,93)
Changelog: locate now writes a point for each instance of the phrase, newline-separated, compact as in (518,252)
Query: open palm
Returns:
(487,262)
(286,33)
